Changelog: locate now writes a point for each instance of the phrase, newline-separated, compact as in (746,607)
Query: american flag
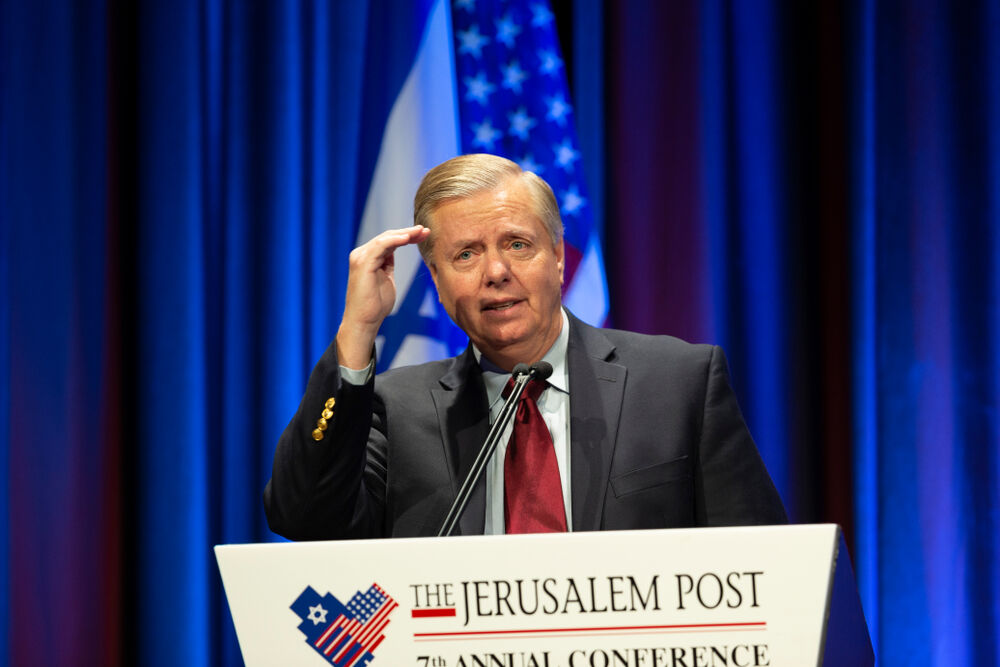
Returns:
(352,636)
(514,102)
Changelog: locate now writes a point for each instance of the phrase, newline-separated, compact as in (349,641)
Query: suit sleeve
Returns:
(333,488)
(732,486)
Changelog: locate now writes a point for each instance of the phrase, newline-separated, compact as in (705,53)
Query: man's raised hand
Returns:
(371,293)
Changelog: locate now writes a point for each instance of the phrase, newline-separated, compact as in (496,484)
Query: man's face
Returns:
(498,274)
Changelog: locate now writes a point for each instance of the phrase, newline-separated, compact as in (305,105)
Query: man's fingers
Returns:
(370,288)
(389,240)
(377,254)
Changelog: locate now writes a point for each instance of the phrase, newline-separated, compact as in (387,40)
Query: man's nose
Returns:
(497,269)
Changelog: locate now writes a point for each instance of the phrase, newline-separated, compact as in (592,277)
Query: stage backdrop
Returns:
(815,188)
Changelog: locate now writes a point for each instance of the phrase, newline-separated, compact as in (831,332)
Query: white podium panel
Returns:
(664,598)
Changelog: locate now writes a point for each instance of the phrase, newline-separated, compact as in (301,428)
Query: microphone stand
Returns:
(522,375)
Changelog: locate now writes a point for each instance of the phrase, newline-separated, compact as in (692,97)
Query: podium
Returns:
(774,595)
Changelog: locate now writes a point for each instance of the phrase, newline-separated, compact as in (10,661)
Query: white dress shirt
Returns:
(554,406)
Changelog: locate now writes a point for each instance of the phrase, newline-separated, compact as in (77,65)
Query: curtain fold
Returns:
(60,422)
(711,233)
(249,116)
(926,362)
(829,188)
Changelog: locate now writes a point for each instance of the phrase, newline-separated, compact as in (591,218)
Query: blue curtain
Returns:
(818,189)
(249,117)
(926,243)
(59,373)
(815,187)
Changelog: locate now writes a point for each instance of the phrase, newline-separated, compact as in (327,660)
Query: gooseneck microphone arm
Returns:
(522,374)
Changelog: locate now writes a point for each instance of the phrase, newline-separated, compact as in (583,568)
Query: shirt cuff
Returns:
(351,376)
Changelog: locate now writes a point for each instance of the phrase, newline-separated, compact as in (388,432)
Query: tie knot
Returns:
(532,391)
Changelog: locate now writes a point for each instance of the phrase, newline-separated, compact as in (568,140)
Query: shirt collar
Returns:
(556,356)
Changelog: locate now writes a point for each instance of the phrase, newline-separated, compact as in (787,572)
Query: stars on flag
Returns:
(513,77)
(485,135)
(528,164)
(507,30)
(550,61)
(521,124)
(558,109)
(540,15)
(472,42)
(362,606)
(565,154)
(515,103)
(572,202)
(479,88)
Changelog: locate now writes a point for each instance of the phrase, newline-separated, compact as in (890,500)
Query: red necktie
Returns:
(533,499)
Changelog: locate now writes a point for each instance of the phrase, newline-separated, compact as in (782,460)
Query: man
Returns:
(640,431)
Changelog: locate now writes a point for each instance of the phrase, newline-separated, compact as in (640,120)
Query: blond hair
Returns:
(468,175)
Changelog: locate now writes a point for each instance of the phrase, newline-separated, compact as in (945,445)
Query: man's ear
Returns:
(432,267)
(560,257)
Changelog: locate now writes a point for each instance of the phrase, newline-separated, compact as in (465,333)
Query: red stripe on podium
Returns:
(631,629)
(433,613)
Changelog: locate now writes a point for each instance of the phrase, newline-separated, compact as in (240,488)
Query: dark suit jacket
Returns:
(657,441)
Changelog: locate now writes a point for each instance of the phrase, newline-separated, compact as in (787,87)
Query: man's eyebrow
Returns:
(522,230)
(506,231)
(462,242)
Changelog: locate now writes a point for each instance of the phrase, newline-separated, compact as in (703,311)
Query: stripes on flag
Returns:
(348,638)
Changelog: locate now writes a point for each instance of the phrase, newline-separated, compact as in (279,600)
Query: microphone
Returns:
(522,374)
(541,370)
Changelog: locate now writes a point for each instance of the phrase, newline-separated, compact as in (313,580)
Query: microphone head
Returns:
(519,370)
(542,370)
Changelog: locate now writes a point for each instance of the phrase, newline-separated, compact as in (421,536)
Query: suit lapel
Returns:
(463,416)
(596,387)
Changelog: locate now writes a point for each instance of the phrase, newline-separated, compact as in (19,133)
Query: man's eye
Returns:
(518,245)
(465,254)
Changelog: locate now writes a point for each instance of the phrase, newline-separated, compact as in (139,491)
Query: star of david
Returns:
(408,319)
(317,614)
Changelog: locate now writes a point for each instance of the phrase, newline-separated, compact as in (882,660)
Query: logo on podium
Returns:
(344,635)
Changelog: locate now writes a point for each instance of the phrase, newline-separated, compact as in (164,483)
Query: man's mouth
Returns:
(502,305)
